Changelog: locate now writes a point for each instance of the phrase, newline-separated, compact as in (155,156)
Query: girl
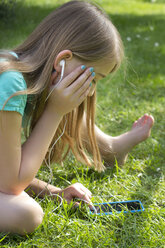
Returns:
(50,81)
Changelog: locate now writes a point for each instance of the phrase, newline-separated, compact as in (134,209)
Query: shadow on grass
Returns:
(138,28)
(146,33)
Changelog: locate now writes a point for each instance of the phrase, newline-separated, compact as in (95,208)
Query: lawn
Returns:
(137,88)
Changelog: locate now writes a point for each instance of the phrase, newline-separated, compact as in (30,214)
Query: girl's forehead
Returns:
(104,68)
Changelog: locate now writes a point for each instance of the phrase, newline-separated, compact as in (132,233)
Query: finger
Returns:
(81,80)
(88,202)
(76,205)
(72,77)
(85,86)
(84,196)
(87,191)
(82,188)
(83,96)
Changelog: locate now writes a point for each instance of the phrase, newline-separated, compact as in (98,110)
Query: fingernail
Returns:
(92,208)
(76,206)
(83,67)
(91,69)
(93,74)
(90,84)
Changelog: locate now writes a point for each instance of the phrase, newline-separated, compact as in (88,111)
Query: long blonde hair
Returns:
(86,30)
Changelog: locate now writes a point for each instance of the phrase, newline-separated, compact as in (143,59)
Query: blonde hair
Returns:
(84,29)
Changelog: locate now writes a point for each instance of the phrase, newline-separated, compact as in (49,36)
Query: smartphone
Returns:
(121,206)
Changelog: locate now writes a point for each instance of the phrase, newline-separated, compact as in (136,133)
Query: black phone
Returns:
(110,207)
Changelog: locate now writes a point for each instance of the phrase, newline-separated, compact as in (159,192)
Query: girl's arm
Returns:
(40,188)
(18,166)
(77,190)
(36,146)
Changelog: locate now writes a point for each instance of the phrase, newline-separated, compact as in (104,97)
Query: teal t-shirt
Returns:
(10,83)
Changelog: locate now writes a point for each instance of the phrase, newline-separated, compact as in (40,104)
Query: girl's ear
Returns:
(53,77)
(63,55)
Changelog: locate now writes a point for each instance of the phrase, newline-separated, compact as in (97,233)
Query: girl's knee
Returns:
(31,217)
(36,214)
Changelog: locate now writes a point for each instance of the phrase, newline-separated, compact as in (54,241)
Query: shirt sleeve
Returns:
(10,83)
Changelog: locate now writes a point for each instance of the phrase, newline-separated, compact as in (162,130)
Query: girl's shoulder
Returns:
(12,79)
(11,82)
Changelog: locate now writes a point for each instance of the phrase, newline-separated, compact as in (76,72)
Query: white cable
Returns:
(62,63)
(57,141)
(48,164)
(58,205)
(95,211)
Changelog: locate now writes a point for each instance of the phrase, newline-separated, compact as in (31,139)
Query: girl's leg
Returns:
(123,144)
(112,148)
(19,213)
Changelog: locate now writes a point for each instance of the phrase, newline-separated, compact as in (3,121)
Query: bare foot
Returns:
(123,144)
(142,128)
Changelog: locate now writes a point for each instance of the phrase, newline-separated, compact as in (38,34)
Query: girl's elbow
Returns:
(11,190)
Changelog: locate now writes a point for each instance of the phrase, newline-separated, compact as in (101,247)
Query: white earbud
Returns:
(62,63)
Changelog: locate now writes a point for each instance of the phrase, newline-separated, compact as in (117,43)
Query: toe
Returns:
(150,120)
(142,120)
(134,124)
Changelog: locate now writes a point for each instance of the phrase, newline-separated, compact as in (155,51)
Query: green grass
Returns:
(129,94)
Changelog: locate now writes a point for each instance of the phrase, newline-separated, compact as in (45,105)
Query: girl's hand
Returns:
(77,190)
(71,91)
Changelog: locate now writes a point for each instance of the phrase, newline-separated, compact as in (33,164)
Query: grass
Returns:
(129,94)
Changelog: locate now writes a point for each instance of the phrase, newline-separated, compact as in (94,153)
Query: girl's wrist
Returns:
(53,112)
(53,189)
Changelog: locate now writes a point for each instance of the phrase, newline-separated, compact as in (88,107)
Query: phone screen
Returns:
(118,206)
